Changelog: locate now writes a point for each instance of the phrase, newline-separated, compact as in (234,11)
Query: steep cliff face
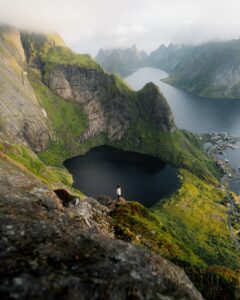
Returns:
(136,121)
(21,117)
(150,100)
(107,109)
(53,251)
(108,103)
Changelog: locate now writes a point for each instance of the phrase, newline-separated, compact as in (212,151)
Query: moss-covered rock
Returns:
(82,107)
(48,251)
(189,228)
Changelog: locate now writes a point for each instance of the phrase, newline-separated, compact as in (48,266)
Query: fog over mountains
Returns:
(210,69)
(122,61)
(88,26)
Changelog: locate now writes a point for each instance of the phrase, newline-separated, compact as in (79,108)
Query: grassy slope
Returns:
(66,56)
(197,218)
(26,159)
(193,240)
(190,229)
(180,148)
(67,121)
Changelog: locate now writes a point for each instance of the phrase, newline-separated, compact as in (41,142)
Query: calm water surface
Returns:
(147,179)
(191,112)
(143,178)
(195,113)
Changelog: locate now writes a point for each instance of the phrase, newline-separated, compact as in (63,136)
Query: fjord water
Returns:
(191,112)
(197,114)
(143,178)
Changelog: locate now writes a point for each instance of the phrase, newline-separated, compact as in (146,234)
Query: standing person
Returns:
(119,191)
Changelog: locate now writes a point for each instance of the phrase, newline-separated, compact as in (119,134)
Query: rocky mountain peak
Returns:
(159,114)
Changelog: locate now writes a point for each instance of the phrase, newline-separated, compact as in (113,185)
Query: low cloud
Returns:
(89,25)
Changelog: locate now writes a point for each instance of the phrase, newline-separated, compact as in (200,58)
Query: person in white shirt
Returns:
(119,191)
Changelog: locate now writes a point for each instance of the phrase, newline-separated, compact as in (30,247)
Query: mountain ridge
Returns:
(210,69)
(122,61)
(73,93)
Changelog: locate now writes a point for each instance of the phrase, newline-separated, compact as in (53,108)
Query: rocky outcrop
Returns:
(110,106)
(22,120)
(158,114)
(54,245)
(109,110)
(48,251)
(106,108)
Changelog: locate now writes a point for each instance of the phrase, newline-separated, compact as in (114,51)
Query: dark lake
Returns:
(143,178)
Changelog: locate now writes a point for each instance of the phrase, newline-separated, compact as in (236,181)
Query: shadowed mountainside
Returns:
(210,69)
(71,251)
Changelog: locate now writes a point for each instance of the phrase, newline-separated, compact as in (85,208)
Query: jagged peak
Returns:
(159,114)
(150,87)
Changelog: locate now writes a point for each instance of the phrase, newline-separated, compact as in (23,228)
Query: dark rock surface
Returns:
(157,108)
(110,106)
(107,109)
(60,247)
(51,252)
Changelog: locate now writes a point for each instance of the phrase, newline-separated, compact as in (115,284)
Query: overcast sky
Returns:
(87,25)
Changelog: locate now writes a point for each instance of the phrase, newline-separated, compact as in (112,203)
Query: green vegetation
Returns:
(64,55)
(195,216)
(135,223)
(23,155)
(27,160)
(203,69)
(121,85)
(67,122)
(189,228)
(36,45)
(179,148)
(51,50)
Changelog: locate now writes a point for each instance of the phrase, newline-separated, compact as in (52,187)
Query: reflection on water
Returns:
(143,178)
